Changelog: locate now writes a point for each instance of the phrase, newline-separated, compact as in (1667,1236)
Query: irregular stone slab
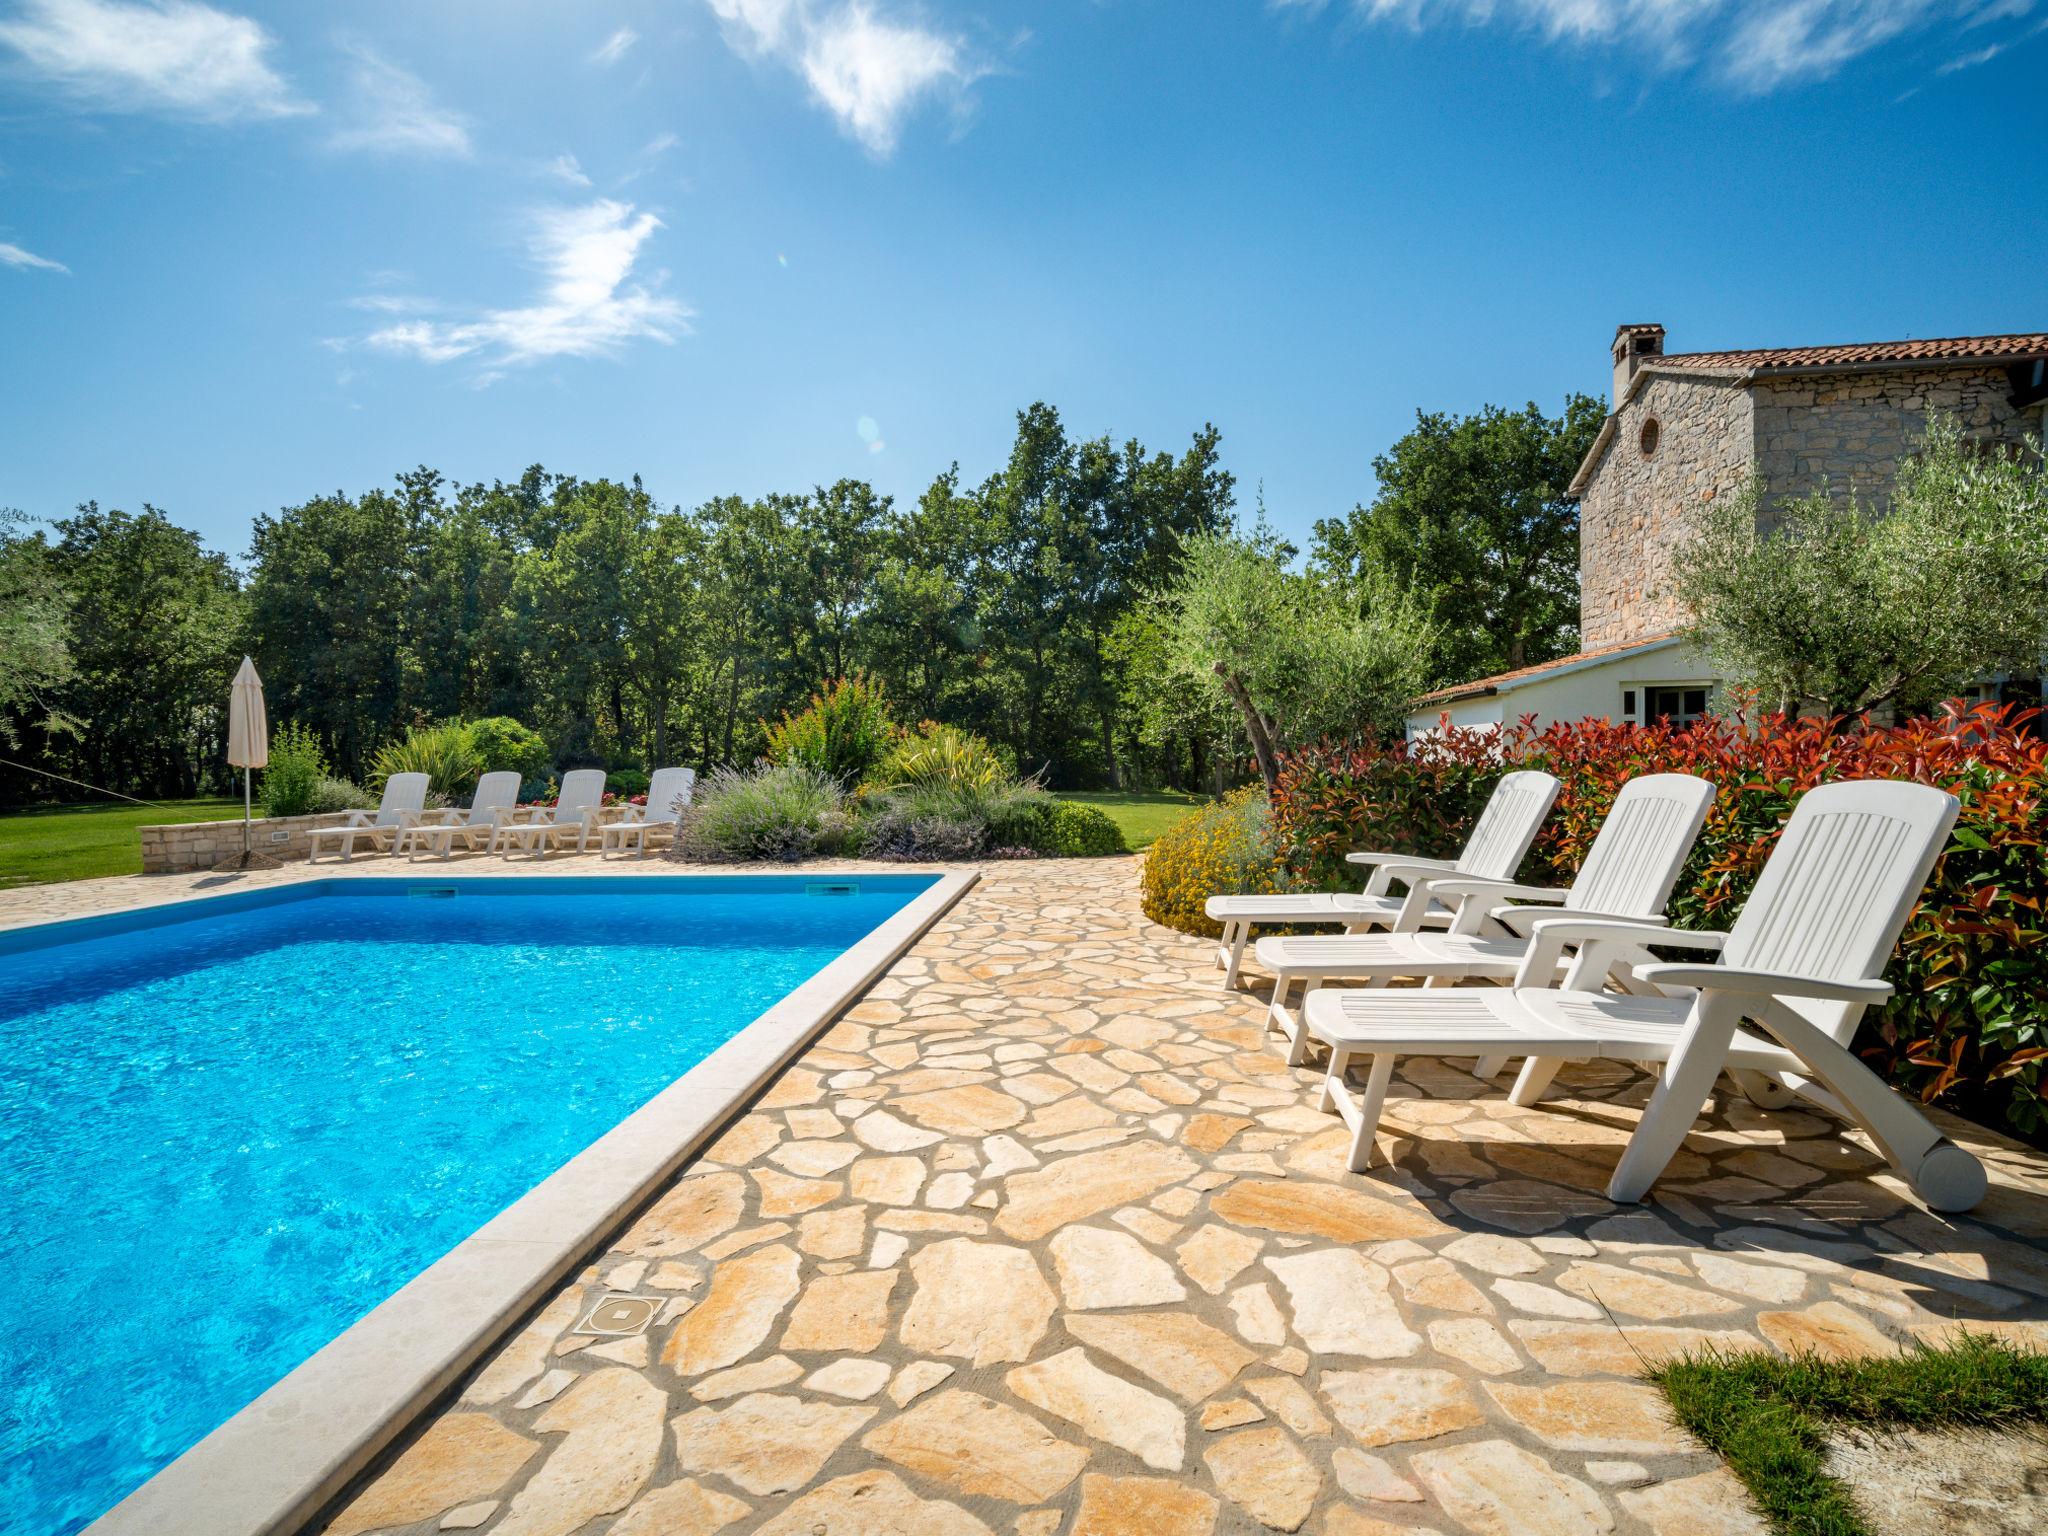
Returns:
(747,1295)
(612,1421)
(1391,1407)
(1345,1521)
(1098,1268)
(886,1180)
(1472,1342)
(460,1458)
(1071,1387)
(846,1314)
(1770,1283)
(1634,1293)
(695,1211)
(1075,1188)
(1258,1316)
(685,1508)
(1613,1418)
(766,1442)
(1436,1283)
(871,1504)
(525,1355)
(855,1380)
(834,1234)
(1180,1352)
(1827,1329)
(1212,1133)
(881,1131)
(1525,1205)
(1601,1349)
(1264,1473)
(1716,1504)
(814,1159)
(1366,1476)
(975,1110)
(1494,1255)
(1156,1506)
(754,1376)
(1969,1482)
(916,1379)
(1494,1488)
(986,1301)
(1310,1209)
(1290,1404)
(783,1195)
(980,1447)
(1216,1255)
(1543,1301)
(1231,1414)
(1341,1305)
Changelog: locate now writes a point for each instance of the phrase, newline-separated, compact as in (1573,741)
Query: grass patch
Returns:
(1140,814)
(1769,1418)
(48,843)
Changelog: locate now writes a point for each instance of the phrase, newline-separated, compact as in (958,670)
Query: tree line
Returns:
(1044,607)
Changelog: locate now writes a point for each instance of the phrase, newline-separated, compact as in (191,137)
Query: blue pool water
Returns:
(225,1138)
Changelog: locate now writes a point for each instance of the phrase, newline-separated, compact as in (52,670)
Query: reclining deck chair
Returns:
(404,795)
(1801,964)
(1628,874)
(1494,851)
(495,792)
(668,791)
(576,810)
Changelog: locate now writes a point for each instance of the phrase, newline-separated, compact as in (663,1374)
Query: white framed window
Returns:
(1680,703)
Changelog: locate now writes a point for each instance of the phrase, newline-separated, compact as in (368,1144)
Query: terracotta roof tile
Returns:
(1925,349)
(1485,685)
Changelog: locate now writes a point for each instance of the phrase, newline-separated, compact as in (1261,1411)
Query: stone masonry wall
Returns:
(1634,509)
(203,844)
(1851,429)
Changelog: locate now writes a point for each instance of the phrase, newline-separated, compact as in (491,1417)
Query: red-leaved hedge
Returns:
(1969,1025)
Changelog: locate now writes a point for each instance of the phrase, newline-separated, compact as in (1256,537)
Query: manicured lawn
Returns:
(79,842)
(1142,813)
(1770,1418)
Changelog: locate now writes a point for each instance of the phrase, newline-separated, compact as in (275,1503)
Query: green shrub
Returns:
(1020,816)
(339,795)
(1226,846)
(943,754)
(1081,832)
(627,782)
(842,732)
(446,754)
(782,811)
(297,766)
(503,745)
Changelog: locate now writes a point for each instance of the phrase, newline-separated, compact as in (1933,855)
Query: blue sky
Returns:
(250,253)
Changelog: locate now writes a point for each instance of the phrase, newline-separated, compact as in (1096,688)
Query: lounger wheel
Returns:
(1950,1179)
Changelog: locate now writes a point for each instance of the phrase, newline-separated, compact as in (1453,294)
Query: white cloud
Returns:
(394,113)
(174,56)
(868,71)
(588,307)
(568,168)
(1753,45)
(15,256)
(615,47)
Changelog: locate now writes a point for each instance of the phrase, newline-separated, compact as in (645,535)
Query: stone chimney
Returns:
(1632,343)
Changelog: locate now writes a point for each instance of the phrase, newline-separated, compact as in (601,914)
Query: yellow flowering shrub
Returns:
(1225,847)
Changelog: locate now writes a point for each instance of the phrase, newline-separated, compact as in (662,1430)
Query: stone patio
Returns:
(1045,1237)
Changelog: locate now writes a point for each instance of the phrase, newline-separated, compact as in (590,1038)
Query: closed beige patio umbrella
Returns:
(248,748)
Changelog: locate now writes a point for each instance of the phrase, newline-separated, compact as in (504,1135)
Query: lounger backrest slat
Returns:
(403,793)
(668,788)
(1838,888)
(494,792)
(581,789)
(1508,825)
(1642,845)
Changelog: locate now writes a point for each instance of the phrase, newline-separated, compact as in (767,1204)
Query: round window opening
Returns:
(1647,440)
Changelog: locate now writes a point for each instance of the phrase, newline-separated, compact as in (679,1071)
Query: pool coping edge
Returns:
(285,1457)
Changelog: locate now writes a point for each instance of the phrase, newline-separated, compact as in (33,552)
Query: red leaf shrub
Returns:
(1969,1025)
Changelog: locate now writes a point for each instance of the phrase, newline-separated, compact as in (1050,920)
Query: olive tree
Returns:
(1829,603)
(1298,655)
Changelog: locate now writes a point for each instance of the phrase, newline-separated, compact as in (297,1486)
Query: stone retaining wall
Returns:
(176,850)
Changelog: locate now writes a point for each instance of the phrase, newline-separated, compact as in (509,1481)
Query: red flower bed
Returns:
(1969,1026)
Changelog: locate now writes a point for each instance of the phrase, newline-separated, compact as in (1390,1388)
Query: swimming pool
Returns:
(229,1128)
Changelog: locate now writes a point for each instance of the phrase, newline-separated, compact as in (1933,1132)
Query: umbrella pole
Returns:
(245,813)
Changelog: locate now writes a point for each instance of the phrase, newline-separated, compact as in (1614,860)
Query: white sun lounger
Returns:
(1801,964)
(404,795)
(1628,875)
(574,813)
(1494,851)
(667,793)
(496,793)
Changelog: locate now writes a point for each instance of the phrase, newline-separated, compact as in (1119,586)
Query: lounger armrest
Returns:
(1601,941)
(1722,978)
(1410,872)
(1472,896)
(360,819)
(1399,858)
(1523,920)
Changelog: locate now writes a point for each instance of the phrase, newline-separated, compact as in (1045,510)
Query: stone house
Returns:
(1687,428)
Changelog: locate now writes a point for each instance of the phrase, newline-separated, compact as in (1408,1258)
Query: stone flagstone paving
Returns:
(1044,1237)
